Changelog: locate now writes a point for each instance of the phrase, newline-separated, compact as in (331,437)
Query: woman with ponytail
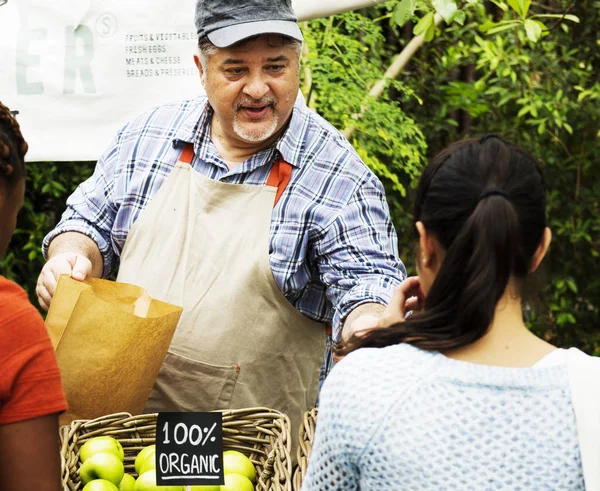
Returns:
(31,395)
(459,394)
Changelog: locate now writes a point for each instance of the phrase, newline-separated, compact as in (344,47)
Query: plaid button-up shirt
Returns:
(333,245)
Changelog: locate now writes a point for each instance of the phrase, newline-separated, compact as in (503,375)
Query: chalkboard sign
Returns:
(189,449)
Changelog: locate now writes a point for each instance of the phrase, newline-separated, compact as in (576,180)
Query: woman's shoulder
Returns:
(10,289)
(398,358)
(380,374)
(21,324)
(14,302)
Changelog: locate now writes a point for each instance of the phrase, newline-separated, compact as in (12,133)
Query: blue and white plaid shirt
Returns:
(333,245)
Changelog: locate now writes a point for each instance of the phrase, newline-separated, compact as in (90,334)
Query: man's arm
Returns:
(362,318)
(358,260)
(80,245)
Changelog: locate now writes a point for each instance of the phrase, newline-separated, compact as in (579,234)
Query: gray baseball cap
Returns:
(227,22)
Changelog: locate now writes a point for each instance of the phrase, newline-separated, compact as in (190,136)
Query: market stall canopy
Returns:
(313,9)
(77,70)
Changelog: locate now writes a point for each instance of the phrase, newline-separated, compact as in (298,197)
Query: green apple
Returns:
(237,482)
(127,483)
(237,463)
(205,488)
(100,485)
(147,482)
(147,464)
(145,453)
(101,444)
(103,465)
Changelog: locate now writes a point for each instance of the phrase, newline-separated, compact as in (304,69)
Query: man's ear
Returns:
(541,249)
(200,68)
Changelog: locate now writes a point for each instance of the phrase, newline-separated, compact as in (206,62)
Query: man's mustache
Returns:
(265,101)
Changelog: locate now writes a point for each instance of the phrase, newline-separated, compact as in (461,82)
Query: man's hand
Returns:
(71,263)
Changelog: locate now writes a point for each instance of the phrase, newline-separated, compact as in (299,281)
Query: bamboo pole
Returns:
(393,71)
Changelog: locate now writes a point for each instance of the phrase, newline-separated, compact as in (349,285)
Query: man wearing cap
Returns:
(247,209)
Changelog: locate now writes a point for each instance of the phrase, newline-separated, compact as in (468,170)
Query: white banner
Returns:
(77,70)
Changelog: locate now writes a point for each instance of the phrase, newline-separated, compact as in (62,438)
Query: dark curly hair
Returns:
(13,148)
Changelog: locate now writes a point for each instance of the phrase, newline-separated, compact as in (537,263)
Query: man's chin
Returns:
(253,133)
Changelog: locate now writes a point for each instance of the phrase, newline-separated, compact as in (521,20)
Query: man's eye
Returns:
(276,68)
(235,71)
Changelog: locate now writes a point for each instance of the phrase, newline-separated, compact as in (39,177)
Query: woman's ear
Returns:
(541,249)
(427,248)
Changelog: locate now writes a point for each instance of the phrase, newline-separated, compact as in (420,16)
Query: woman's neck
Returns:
(507,342)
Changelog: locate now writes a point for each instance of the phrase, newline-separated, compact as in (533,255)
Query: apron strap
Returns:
(280,175)
(187,154)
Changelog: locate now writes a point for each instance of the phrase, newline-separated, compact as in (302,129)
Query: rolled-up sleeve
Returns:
(358,254)
(91,208)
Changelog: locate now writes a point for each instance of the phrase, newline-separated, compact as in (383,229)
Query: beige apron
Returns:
(204,245)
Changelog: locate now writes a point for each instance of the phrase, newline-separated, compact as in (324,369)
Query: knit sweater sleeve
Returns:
(345,424)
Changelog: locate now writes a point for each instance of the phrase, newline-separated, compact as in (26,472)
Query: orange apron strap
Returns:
(187,154)
(280,176)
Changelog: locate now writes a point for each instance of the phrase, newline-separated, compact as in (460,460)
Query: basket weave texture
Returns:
(261,434)
(306,437)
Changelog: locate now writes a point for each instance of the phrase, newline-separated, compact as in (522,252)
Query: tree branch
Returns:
(392,72)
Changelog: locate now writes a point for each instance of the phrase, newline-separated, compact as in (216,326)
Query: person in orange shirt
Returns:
(31,395)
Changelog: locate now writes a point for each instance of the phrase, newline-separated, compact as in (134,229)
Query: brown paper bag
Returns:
(110,340)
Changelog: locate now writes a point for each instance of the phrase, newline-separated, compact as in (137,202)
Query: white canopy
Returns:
(77,70)
(312,9)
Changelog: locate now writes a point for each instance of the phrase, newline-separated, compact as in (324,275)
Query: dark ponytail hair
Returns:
(13,148)
(484,200)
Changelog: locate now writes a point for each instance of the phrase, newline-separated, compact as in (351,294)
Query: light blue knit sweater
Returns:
(400,418)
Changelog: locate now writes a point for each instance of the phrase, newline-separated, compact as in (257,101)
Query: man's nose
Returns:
(256,86)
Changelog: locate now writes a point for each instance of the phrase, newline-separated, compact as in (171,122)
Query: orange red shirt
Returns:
(30,384)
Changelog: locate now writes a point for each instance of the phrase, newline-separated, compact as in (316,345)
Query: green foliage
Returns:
(346,56)
(47,188)
(486,70)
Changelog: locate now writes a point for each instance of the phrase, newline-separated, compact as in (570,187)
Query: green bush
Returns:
(47,188)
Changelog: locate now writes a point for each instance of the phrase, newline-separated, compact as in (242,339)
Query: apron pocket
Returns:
(188,385)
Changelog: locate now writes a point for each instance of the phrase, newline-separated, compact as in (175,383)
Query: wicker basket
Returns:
(260,433)
(305,442)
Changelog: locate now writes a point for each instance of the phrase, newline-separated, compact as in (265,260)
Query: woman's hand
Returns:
(407,297)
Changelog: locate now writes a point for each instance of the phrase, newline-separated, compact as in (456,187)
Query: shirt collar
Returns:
(289,145)
(194,121)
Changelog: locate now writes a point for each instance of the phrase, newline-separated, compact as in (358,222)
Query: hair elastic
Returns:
(491,192)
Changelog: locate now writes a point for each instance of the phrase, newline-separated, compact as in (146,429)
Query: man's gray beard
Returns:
(254,136)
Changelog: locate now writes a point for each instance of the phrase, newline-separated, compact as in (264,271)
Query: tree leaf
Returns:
(516,6)
(504,27)
(500,4)
(460,17)
(525,4)
(533,30)
(430,32)
(405,10)
(423,24)
(571,17)
(446,8)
